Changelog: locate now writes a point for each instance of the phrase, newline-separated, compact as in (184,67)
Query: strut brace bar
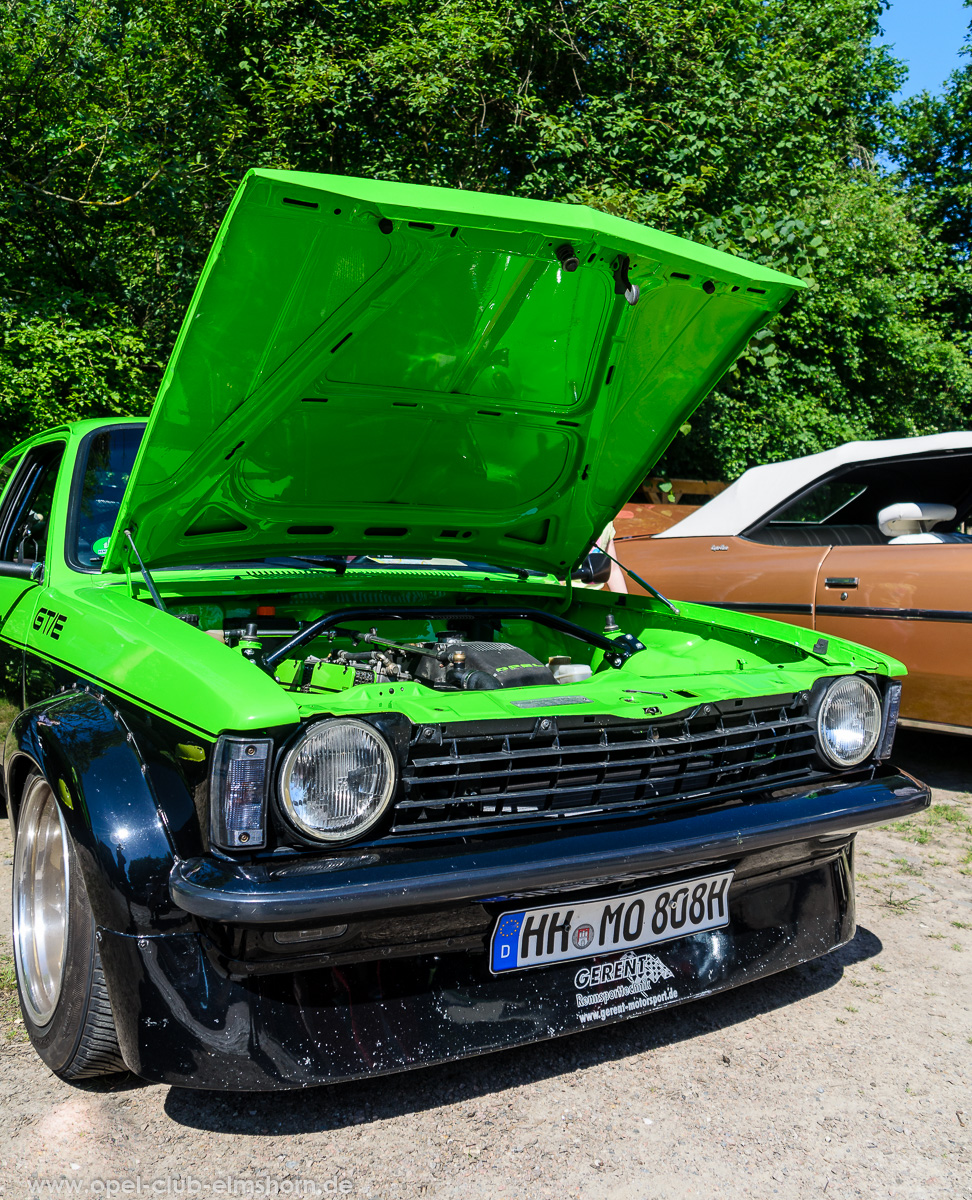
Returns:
(616,651)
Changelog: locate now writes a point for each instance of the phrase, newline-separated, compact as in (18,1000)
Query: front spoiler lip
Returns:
(247,894)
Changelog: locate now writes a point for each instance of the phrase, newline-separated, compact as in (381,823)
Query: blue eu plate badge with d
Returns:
(506,941)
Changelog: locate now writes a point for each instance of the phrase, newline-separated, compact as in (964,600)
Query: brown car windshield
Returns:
(845,508)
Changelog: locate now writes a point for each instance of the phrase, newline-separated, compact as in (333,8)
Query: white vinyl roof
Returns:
(763,489)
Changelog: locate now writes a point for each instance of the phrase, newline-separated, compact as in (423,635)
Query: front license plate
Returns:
(560,933)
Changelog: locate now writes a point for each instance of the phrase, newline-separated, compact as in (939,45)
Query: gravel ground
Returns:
(847,1077)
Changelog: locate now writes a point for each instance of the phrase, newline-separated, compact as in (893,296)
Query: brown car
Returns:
(865,542)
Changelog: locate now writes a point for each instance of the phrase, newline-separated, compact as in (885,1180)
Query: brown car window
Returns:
(855,496)
(824,502)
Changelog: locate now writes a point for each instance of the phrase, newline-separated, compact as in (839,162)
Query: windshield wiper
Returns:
(519,572)
(368,562)
(323,560)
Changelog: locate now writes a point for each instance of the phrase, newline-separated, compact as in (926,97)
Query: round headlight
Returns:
(338,780)
(848,721)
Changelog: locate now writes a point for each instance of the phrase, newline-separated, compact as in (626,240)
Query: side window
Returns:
(25,518)
(107,465)
(823,503)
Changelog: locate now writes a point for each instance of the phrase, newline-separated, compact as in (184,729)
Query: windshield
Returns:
(110,458)
(823,504)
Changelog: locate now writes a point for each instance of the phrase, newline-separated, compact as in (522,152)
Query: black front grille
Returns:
(480,774)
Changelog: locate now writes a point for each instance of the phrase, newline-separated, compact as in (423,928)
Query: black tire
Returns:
(66,1009)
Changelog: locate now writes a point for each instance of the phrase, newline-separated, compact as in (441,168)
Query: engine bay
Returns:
(442,648)
(459,652)
(451,663)
(315,644)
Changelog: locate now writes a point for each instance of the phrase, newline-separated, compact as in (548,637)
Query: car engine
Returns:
(471,653)
(450,663)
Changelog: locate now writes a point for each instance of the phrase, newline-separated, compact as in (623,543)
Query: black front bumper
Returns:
(327,891)
(182,1018)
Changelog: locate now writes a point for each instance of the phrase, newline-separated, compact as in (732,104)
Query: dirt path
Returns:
(850,1077)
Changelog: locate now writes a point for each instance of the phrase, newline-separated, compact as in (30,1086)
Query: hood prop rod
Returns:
(615,652)
(652,591)
(149,581)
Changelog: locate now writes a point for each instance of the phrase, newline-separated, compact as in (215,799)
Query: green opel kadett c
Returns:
(318,765)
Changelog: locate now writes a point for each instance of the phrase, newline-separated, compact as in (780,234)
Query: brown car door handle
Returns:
(840,581)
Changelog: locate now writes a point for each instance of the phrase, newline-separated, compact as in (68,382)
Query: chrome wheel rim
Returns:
(40,902)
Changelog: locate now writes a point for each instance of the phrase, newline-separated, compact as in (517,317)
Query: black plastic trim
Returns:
(959,616)
(16,570)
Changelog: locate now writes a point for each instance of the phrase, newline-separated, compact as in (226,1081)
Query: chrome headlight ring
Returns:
(848,721)
(337,780)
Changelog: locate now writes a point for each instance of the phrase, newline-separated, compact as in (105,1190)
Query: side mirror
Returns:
(596,568)
(17,570)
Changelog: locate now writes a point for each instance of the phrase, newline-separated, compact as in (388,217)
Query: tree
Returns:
(865,353)
(930,138)
(124,129)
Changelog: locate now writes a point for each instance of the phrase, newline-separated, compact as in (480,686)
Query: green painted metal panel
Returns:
(369,366)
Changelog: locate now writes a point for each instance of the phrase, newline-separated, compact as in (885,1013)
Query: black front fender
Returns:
(125,807)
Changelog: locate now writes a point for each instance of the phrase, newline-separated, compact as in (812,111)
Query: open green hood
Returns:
(387,368)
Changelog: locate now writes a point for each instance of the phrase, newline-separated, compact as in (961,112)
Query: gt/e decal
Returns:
(50,622)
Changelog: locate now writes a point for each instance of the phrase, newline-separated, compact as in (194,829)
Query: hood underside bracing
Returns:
(405,369)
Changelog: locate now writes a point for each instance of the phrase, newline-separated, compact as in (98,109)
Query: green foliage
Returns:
(867,352)
(931,140)
(55,368)
(125,127)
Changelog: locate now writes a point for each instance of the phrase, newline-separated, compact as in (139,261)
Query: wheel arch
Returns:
(16,773)
(109,798)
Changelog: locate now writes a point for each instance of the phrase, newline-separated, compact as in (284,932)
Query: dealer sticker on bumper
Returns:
(559,933)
